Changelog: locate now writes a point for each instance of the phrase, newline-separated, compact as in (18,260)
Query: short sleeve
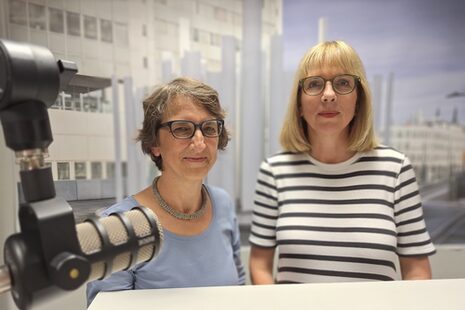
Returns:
(412,237)
(122,280)
(265,209)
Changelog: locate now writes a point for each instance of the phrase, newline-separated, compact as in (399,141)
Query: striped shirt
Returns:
(339,222)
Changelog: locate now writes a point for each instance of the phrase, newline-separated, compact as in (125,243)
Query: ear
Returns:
(155,151)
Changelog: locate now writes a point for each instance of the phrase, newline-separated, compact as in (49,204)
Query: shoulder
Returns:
(285,157)
(221,200)
(387,159)
(387,153)
(219,195)
(125,205)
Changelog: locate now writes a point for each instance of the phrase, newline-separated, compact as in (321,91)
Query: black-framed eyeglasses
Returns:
(182,129)
(342,84)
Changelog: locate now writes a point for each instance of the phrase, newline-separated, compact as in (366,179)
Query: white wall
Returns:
(8,205)
(82,136)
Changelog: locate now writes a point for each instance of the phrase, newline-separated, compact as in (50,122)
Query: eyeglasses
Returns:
(181,129)
(342,84)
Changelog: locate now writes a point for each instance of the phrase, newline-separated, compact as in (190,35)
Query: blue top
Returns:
(211,258)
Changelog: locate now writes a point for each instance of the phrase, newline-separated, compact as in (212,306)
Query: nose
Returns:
(329,95)
(198,141)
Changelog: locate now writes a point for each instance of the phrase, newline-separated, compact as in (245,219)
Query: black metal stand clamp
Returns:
(45,255)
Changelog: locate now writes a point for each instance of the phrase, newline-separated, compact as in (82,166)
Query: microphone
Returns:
(108,244)
(119,241)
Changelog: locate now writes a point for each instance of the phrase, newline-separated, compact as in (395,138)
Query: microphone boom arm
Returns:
(30,79)
(46,257)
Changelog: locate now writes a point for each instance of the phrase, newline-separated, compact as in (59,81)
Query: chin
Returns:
(197,172)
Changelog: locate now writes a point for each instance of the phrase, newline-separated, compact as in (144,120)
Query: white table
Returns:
(432,294)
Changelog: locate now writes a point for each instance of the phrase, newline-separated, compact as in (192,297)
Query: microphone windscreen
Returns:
(119,241)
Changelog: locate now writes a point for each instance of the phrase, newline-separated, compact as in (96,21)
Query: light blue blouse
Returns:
(211,258)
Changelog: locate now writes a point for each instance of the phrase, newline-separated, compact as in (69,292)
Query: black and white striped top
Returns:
(339,222)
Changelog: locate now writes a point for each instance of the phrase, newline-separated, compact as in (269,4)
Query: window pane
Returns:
(37,16)
(96,168)
(195,35)
(90,27)
(215,39)
(121,34)
(63,171)
(56,20)
(106,30)
(145,62)
(80,170)
(110,170)
(18,12)
(124,169)
(144,30)
(221,14)
(73,22)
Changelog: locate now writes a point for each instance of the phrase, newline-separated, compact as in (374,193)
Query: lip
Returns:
(196,159)
(328,114)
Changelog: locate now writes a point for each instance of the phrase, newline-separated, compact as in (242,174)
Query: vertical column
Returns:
(229,101)
(131,130)
(184,36)
(191,65)
(224,173)
(322,29)
(388,120)
(117,140)
(278,103)
(166,66)
(166,71)
(377,104)
(251,106)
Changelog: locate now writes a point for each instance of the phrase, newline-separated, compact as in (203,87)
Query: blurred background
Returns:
(248,50)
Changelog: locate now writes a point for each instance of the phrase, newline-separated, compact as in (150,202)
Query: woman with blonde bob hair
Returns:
(337,205)
(333,54)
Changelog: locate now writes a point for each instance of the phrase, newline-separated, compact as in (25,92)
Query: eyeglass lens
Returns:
(186,129)
(342,84)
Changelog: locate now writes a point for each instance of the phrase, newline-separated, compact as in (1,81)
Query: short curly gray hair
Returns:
(156,105)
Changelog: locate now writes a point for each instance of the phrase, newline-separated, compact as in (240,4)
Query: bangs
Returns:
(330,54)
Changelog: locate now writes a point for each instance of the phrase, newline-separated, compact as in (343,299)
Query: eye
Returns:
(210,128)
(181,129)
(344,82)
(313,83)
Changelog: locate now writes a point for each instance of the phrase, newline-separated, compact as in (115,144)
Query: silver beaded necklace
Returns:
(175,213)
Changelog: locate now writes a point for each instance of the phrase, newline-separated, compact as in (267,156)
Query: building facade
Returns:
(435,148)
(118,39)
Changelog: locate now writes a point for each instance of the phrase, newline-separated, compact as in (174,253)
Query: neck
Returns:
(182,196)
(330,149)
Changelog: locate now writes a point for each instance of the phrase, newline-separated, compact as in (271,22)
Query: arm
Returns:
(415,268)
(122,280)
(263,230)
(236,245)
(413,241)
(261,265)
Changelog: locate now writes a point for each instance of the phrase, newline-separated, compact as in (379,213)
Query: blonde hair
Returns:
(337,54)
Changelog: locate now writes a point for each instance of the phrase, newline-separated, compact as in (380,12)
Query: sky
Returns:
(421,42)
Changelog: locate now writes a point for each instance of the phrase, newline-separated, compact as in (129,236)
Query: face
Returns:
(328,114)
(186,158)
